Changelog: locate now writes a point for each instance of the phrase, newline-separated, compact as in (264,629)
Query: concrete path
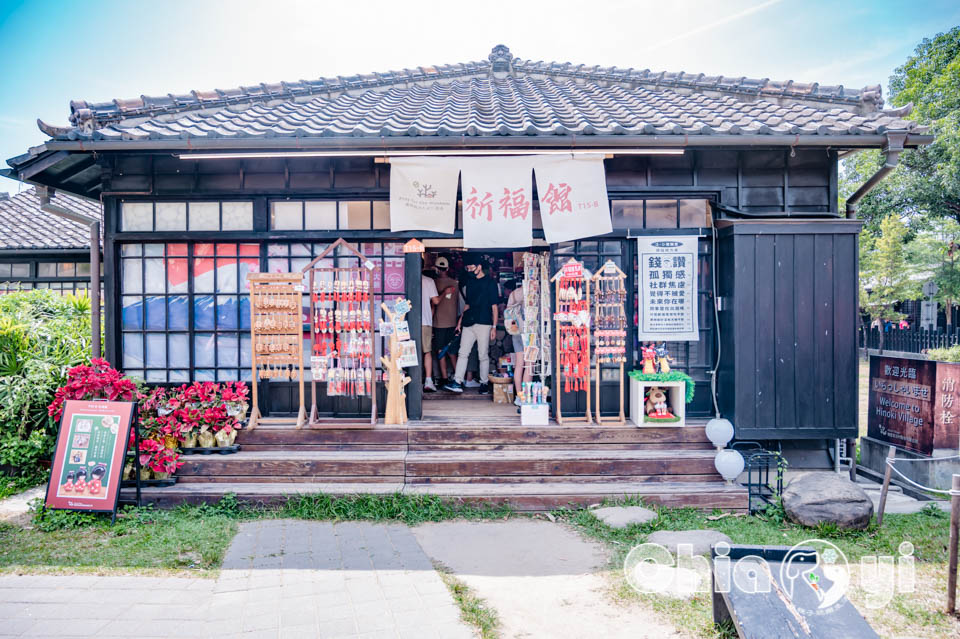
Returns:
(16,506)
(280,579)
(542,579)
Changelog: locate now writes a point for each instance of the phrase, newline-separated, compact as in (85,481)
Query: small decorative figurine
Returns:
(649,354)
(663,358)
(656,406)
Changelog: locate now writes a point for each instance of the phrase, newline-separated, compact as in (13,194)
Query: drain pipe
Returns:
(46,194)
(892,149)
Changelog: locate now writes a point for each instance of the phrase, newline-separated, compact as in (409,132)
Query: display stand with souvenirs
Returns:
(572,317)
(609,328)
(402,353)
(535,327)
(342,330)
(276,335)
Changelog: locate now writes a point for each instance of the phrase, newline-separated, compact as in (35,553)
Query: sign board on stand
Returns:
(89,456)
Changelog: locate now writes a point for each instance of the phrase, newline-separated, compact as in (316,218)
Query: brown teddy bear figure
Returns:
(656,406)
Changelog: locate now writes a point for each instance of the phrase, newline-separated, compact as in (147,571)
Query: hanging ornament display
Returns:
(572,317)
(610,328)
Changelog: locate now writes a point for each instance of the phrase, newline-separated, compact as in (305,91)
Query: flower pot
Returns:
(170,441)
(145,474)
(190,440)
(161,475)
(128,470)
(223,438)
(206,439)
(233,436)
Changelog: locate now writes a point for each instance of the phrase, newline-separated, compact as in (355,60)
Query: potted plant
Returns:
(99,380)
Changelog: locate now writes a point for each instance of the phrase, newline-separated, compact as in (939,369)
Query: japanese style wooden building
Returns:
(202,188)
(39,250)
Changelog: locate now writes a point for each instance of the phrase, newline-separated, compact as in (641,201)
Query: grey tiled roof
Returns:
(24,226)
(500,96)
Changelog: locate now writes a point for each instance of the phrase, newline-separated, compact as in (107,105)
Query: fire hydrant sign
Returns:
(667,288)
(89,457)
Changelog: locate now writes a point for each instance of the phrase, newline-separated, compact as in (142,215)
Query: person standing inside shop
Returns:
(478,324)
(445,318)
(429,299)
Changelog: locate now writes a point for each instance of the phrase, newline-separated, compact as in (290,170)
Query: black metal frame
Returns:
(758,462)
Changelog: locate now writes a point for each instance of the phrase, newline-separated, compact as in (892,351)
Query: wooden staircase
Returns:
(492,461)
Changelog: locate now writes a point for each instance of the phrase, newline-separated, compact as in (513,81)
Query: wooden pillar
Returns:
(412,271)
(891,453)
(954,535)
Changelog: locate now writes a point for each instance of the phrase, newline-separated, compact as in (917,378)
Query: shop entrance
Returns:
(460,388)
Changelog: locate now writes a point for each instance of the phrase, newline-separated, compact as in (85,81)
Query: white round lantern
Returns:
(719,431)
(729,464)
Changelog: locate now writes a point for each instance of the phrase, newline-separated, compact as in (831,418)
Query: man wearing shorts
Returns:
(428,299)
(445,318)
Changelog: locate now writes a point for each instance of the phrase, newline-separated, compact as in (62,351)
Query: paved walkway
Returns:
(280,579)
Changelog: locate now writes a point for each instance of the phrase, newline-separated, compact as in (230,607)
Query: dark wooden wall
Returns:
(754,180)
(788,366)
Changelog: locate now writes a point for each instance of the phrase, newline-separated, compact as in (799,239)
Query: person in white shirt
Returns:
(429,297)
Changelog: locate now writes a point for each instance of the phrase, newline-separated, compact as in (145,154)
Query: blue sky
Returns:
(55,51)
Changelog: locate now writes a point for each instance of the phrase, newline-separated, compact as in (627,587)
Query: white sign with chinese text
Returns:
(573,197)
(423,194)
(667,288)
(497,194)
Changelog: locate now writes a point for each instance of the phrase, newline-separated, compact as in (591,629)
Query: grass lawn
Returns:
(917,615)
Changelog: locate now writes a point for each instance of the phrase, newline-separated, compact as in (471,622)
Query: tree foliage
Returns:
(884,276)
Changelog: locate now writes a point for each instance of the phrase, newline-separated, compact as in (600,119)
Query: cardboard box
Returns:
(534,414)
(676,398)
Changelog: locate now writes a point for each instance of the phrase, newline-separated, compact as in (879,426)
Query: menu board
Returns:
(89,457)
(667,288)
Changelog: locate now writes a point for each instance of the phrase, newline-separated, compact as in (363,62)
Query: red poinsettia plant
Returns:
(157,457)
(99,380)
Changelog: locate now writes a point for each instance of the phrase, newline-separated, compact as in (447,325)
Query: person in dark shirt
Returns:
(478,324)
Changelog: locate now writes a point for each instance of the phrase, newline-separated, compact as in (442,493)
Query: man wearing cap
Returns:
(445,317)
(477,324)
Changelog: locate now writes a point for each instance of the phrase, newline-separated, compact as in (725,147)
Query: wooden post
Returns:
(891,454)
(954,535)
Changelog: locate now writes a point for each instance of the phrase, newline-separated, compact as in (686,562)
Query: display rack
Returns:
(609,328)
(276,335)
(572,317)
(342,343)
(535,330)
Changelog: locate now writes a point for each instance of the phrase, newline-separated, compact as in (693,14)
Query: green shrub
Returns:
(42,335)
(949,354)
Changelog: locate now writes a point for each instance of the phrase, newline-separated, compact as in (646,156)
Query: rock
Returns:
(827,497)
(701,540)
(623,516)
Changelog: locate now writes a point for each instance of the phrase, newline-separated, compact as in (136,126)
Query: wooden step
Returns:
(267,466)
(286,436)
(521,497)
(424,434)
(564,462)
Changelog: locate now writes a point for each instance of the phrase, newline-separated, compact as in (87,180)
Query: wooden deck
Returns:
(454,452)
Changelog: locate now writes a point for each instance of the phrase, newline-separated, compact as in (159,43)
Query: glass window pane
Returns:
(179,348)
(171,216)
(393,275)
(136,216)
(226,250)
(226,312)
(153,250)
(354,215)
(278,265)
(177,249)
(245,312)
(247,266)
(227,275)
(381,215)
(20,270)
(133,373)
(205,376)
(156,376)
(131,318)
(129,250)
(226,375)
(204,216)
(245,354)
(627,214)
(320,215)
(661,214)
(66,269)
(154,275)
(133,350)
(203,349)
(179,376)
(132,276)
(237,216)
(286,216)
(693,213)
(177,275)
(203,312)
(300,249)
(177,313)
(156,312)
(156,350)
(44,284)
(5,270)
(83,269)
(203,275)
(276,250)
(228,353)
(44,269)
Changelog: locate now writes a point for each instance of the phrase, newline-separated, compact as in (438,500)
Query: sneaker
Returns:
(429,387)
(516,402)
(453,387)
(484,389)
(471,383)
